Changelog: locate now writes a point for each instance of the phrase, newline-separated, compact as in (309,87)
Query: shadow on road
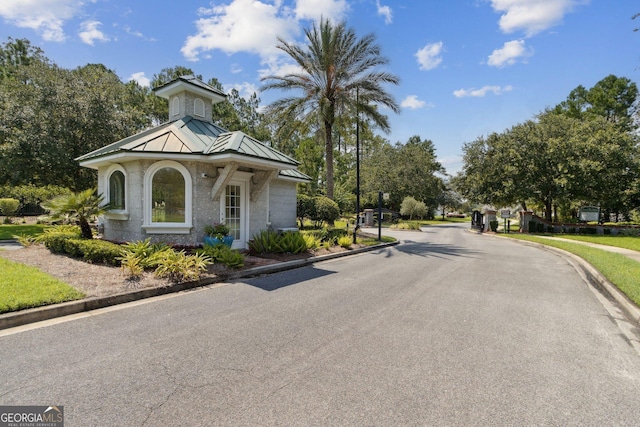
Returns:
(276,281)
(425,250)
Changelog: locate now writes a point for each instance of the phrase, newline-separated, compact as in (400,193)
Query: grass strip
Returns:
(627,242)
(623,272)
(22,286)
(7,231)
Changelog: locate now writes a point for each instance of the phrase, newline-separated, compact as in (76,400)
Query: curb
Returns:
(594,278)
(31,315)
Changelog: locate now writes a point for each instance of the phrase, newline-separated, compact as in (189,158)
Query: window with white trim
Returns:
(168,198)
(116,192)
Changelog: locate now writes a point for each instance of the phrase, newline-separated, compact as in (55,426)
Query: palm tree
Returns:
(334,67)
(81,206)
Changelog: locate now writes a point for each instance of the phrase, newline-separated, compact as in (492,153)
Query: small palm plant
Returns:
(82,207)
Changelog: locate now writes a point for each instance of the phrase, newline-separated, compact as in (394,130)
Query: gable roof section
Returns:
(241,143)
(188,136)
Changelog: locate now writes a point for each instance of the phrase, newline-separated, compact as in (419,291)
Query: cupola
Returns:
(189,96)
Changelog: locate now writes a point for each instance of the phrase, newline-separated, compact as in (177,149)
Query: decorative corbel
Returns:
(224,176)
(264,178)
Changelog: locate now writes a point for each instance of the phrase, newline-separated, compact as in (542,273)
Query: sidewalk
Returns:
(634,255)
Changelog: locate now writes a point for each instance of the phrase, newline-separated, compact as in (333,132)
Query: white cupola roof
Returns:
(189,96)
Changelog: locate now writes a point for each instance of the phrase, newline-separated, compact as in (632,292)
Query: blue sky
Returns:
(467,67)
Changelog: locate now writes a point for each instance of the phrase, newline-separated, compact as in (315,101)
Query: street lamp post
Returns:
(355,229)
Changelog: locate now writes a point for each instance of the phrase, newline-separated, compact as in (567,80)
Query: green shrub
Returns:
(177,266)
(311,241)
(345,242)
(407,225)
(131,264)
(268,241)
(223,254)
(8,208)
(326,210)
(494,225)
(264,242)
(55,241)
(305,208)
(100,251)
(149,254)
(291,242)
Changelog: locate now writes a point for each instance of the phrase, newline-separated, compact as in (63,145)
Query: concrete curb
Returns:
(593,277)
(31,315)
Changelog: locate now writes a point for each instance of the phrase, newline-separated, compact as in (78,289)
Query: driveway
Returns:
(447,328)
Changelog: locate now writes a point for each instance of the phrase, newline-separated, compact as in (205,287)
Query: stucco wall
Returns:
(282,203)
(277,203)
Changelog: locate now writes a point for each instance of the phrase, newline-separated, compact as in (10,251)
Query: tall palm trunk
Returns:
(328,141)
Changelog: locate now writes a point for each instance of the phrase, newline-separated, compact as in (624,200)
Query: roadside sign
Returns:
(505,213)
(589,214)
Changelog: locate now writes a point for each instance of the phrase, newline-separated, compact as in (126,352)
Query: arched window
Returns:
(168,198)
(116,192)
(198,107)
(175,106)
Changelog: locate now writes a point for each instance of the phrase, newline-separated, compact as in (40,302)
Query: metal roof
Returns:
(180,83)
(190,136)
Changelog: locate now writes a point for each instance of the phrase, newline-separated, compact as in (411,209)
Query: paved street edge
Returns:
(593,277)
(32,315)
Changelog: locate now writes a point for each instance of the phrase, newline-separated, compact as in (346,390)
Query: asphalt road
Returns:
(448,328)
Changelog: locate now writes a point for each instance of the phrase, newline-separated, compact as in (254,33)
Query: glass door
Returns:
(235,212)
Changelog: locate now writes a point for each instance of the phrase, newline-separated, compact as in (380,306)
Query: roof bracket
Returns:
(264,178)
(224,176)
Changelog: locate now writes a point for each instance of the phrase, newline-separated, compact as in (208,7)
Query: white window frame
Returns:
(198,107)
(168,227)
(117,214)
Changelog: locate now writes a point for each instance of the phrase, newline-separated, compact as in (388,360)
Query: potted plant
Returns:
(217,234)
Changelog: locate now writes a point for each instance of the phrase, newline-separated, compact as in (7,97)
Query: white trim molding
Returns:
(117,214)
(168,227)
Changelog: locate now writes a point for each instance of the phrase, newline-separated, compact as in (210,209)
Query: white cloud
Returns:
(90,33)
(385,11)
(140,78)
(334,10)
(240,26)
(244,89)
(429,56)
(47,18)
(532,16)
(236,68)
(413,103)
(509,54)
(479,93)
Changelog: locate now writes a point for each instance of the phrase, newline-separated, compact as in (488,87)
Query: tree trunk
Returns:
(548,209)
(328,138)
(85,228)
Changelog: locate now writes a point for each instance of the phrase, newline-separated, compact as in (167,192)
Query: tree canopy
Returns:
(584,151)
(339,73)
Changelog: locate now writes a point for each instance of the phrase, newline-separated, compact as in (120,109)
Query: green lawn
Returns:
(23,287)
(7,231)
(618,269)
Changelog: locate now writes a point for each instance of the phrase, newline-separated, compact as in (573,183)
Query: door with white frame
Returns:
(234,211)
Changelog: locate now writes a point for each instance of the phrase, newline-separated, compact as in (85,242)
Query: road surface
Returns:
(448,328)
